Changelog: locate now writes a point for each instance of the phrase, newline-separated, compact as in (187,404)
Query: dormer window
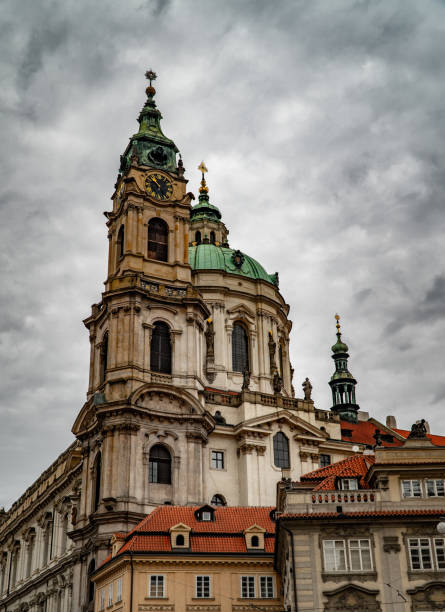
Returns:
(205,513)
(348,484)
(254,536)
(180,536)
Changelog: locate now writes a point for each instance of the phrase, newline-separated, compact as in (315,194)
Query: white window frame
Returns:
(442,548)
(361,549)
(159,579)
(118,590)
(343,481)
(346,550)
(435,481)
(333,548)
(419,548)
(110,594)
(217,459)
(411,489)
(250,579)
(206,516)
(202,577)
(267,579)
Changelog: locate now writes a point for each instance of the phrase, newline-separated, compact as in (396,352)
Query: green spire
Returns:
(149,146)
(204,210)
(342,382)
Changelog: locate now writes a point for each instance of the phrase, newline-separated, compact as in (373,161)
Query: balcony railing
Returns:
(359,496)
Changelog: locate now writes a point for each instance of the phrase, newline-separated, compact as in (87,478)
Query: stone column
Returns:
(140,234)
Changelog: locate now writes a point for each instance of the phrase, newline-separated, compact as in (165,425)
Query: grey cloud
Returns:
(322,127)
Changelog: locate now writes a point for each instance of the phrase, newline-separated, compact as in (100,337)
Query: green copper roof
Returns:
(205,210)
(212,257)
(339,346)
(150,144)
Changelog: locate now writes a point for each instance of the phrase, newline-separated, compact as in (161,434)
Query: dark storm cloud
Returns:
(322,124)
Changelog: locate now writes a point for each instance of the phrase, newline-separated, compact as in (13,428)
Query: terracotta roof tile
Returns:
(356,466)
(363,433)
(437,440)
(151,534)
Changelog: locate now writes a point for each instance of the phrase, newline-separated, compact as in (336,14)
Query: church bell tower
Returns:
(342,382)
(144,423)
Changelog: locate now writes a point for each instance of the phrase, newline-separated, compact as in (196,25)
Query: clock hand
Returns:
(155,181)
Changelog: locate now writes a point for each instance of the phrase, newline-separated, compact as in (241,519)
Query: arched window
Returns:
(198,237)
(91,589)
(255,541)
(158,240)
(281,450)
(97,479)
(240,348)
(218,500)
(180,540)
(120,243)
(103,358)
(159,465)
(212,237)
(160,349)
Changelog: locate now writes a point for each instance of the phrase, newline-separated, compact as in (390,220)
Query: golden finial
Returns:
(337,318)
(151,76)
(203,168)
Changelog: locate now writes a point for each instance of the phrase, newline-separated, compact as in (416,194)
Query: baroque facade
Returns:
(190,397)
(366,533)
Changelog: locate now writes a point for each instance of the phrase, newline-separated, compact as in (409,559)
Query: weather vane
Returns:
(151,76)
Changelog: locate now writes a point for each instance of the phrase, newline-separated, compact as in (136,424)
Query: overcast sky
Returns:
(322,125)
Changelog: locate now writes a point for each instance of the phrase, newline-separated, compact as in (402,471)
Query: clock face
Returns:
(158,186)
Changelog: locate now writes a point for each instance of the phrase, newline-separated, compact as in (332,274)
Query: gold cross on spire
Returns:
(203,168)
(151,76)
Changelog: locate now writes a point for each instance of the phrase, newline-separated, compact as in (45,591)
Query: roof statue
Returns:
(418,430)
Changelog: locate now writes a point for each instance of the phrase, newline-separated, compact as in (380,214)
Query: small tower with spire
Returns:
(342,382)
(205,218)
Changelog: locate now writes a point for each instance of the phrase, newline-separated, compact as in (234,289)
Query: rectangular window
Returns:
(202,586)
(266,587)
(119,590)
(218,460)
(439,547)
(411,488)
(435,487)
(360,555)
(325,460)
(248,586)
(349,484)
(102,600)
(334,555)
(110,594)
(156,586)
(420,553)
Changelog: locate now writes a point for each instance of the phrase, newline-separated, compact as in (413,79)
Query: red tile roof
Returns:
(223,535)
(437,440)
(356,466)
(363,433)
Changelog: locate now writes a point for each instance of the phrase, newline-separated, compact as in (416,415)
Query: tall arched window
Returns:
(212,237)
(97,479)
(159,466)
(91,589)
(281,450)
(103,358)
(120,243)
(160,349)
(198,237)
(218,500)
(30,552)
(158,240)
(240,348)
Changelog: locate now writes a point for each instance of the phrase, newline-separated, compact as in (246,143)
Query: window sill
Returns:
(366,576)
(201,598)
(425,573)
(258,598)
(155,598)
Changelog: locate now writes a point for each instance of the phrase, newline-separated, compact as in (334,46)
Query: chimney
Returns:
(391,422)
